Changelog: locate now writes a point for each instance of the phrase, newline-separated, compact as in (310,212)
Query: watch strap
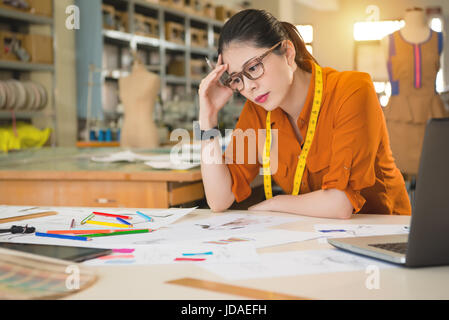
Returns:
(202,135)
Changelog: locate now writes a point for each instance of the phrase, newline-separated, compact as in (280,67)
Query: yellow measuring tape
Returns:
(308,142)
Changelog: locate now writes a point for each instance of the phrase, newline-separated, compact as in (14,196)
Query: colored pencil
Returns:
(109,224)
(61,236)
(111,215)
(144,216)
(118,233)
(87,218)
(78,231)
(123,221)
(90,231)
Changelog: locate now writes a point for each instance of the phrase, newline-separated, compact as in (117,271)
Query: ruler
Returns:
(28,216)
(232,289)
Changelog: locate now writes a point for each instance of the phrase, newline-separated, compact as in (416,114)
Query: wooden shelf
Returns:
(24,16)
(175,79)
(153,42)
(25,66)
(17,17)
(6,114)
(178,12)
(97,144)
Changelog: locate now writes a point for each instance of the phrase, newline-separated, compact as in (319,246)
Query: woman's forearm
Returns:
(216,176)
(330,203)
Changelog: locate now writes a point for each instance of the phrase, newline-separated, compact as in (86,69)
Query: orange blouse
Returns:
(350,150)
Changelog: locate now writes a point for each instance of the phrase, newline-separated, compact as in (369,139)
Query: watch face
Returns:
(199,134)
(210,134)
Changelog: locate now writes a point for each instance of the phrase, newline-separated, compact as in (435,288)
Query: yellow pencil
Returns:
(109,224)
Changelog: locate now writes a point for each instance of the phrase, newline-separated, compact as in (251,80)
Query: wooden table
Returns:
(67,177)
(156,281)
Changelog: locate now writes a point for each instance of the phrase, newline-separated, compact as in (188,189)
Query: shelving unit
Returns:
(43,73)
(25,66)
(157,51)
(164,14)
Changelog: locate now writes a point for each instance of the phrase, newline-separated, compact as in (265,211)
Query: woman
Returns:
(333,156)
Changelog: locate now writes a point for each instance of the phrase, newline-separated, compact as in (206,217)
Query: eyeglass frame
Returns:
(247,75)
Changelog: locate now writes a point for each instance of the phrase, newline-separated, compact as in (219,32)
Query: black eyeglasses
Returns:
(252,70)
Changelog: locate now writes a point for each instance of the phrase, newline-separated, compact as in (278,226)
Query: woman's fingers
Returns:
(214,75)
(220,70)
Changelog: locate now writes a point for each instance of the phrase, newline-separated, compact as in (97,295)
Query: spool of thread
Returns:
(101,135)
(108,134)
(92,135)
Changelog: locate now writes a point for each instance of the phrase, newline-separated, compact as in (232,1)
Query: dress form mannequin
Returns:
(416,29)
(413,60)
(138,93)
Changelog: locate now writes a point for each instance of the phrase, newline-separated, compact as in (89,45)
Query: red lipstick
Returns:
(262,98)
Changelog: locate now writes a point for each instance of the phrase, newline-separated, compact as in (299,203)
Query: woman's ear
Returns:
(290,53)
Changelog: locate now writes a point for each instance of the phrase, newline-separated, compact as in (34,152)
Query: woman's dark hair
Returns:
(263,30)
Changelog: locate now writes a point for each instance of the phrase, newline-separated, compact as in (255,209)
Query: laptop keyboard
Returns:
(399,247)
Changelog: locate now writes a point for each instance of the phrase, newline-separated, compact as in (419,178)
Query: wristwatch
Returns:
(202,135)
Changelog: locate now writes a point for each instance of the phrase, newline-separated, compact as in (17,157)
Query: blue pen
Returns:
(144,215)
(123,221)
(198,254)
(336,230)
(61,236)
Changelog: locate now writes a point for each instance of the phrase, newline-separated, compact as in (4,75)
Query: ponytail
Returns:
(302,54)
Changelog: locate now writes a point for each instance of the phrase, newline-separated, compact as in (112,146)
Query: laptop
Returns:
(427,243)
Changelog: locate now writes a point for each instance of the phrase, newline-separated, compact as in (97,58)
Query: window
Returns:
(375,30)
(436,24)
(306,32)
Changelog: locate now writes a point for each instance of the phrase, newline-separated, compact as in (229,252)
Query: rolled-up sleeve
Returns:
(241,158)
(355,141)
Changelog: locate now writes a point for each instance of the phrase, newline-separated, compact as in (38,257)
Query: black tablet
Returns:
(75,254)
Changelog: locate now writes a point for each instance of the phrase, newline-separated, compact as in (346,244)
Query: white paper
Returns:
(17,211)
(267,238)
(293,263)
(358,230)
(127,155)
(243,222)
(167,254)
(224,225)
(172,165)
(185,153)
(63,220)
